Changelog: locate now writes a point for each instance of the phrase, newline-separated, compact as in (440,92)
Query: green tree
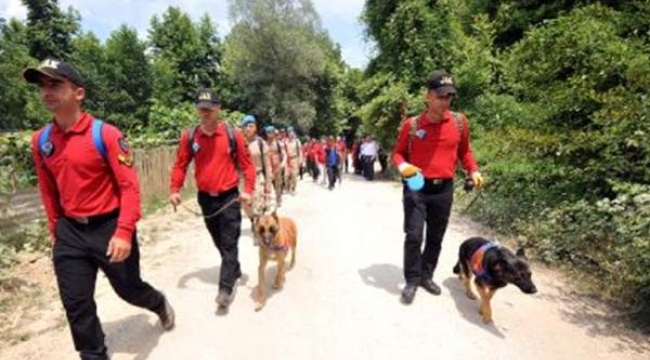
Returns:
(89,58)
(128,78)
(49,29)
(276,54)
(191,51)
(19,102)
(413,38)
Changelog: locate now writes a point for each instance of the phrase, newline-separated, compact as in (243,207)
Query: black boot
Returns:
(408,294)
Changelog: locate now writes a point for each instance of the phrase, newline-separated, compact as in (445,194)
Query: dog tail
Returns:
(457,269)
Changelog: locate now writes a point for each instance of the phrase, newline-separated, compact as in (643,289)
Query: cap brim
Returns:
(206,105)
(33,75)
(445,90)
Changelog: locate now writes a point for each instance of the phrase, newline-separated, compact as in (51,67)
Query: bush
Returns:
(16,162)
(608,238)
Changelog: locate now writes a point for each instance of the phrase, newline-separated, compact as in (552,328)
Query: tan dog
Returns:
(277,236)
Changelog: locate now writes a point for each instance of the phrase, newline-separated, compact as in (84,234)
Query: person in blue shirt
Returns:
(332,162)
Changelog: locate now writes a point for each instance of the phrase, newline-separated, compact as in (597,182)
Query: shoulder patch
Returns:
(124,146)
(125,159)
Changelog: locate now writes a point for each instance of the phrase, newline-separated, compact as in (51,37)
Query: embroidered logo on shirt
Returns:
(126,159)
(47,149)
(124,146)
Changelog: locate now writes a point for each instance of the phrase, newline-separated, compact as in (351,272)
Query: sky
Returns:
(339,17)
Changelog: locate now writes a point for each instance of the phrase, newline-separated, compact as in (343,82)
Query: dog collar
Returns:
(478,265)
(277,248)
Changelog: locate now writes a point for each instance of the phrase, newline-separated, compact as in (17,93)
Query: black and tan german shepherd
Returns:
(493,266)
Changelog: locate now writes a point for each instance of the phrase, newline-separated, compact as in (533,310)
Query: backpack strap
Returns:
(459,125)
(459,122)
(260,143)
(191,136)
(414,122)
(277,145)
(232,144)
(44,143)
(98,140)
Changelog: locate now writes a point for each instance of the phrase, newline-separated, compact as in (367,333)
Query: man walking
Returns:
(218,152)
(263,197)
(431,144)
(91,196)
(294,160)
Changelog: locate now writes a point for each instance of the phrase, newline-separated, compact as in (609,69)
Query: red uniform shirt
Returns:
(343,149)
(436,147)
(318,151)
(75,181)
(306,150)
(214,170)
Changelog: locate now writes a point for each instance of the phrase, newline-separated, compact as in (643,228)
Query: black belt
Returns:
(94,219)
(219,194)
(428,181)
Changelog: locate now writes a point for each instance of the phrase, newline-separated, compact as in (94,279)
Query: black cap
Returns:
(206,98)
(441,82)
(56,69)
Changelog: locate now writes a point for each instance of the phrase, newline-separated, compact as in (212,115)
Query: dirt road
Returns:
(341,301)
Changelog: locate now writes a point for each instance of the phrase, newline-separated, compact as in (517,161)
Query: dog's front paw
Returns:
(277,286)
(485,314)
(259,306)
(471,295)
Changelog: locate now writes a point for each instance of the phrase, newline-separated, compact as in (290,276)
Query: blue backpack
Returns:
(45,145)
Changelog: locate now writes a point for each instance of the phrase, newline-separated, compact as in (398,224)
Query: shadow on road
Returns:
(208,276)
(383,276)
(137,327)
(468,308)
(269,279)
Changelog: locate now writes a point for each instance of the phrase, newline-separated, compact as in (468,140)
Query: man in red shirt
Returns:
(431,144)
(91,196)
(211,145)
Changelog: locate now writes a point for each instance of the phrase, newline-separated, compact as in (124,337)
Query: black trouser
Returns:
(313,169)
(332,175)
(432,205)
(79,251)
(225,229)
(368,164)
(383,161)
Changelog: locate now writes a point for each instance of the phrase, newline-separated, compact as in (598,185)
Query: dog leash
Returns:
(472,202)
(219,211)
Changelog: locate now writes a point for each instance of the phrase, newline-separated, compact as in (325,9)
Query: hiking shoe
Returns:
(166,316)
(430,286)
(408,294)
(225,297)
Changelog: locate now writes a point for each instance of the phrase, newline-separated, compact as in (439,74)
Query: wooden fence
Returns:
(20,209)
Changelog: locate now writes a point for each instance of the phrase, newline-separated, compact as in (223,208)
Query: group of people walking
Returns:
(90,190)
